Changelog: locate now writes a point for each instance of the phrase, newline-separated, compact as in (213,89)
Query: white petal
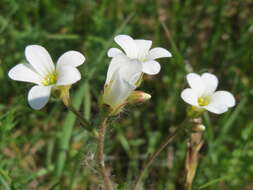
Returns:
(38,96)
(116,93)
(156,53)
(112,52)
(190,97)
(122,83)
(220,102)
(196,83)
(224,97)
(151,67)
(143,47)
(216,108)
(210,82)
(128,45)
(71,58)
(23,72)
(67,75)
(131,72)
(40,59)
(116,62)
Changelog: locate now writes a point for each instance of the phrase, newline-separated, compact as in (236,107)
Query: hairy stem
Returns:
(100,154)
(152,158)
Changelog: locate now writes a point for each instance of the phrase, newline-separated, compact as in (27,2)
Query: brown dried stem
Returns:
(100,154)
(192,157)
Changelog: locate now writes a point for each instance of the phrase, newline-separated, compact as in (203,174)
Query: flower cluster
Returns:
(126,69)
(124,75)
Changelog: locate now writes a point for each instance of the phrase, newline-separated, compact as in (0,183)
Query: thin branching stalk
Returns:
(66,131)
(83,121)
(152,158)
(100,154)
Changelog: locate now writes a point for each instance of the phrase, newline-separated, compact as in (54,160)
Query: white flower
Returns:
(121,81)
(125,70)
(42,72)
(202,93)
(139,50)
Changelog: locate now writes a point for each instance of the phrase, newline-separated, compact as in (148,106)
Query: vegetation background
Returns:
(48,149)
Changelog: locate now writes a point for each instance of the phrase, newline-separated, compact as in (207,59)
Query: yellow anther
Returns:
(204,100)
(142,59)
(50,79)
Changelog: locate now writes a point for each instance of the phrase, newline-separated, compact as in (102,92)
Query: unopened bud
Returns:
(138,97)
(199,128)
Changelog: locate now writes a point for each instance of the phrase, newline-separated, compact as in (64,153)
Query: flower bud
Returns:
(199,128)
(138,97)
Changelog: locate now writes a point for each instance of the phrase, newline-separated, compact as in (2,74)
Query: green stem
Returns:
(100,154)
(152,158)
(66,132)
(83,121)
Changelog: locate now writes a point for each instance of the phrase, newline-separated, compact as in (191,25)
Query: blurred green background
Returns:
(48,149)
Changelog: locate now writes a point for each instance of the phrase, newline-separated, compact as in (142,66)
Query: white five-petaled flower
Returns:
(202,93)
(140,51)
(42,72)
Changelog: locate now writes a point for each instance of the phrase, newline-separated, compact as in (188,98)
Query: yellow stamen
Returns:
(204,100)
(142,59)
(50,79)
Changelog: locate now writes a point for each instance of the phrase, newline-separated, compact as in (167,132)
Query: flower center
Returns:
(142,59)
(50,79)
(204,100)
